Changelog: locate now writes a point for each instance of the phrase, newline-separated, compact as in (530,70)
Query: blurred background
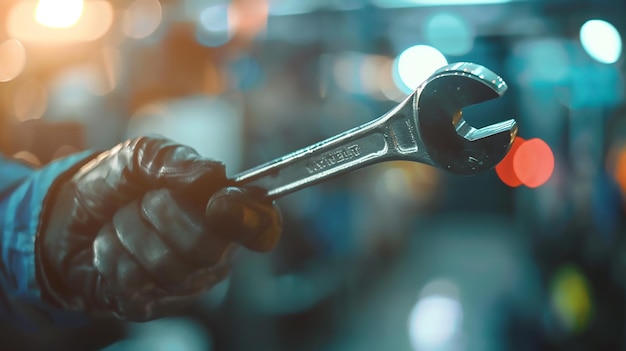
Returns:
(397,256)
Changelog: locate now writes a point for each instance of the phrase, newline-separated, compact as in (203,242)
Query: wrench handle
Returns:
(350,150)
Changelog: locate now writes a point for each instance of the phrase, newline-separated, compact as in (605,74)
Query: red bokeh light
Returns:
(505,170)
(533,163)
(529,162)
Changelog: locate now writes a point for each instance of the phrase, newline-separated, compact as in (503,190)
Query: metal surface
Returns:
(426,127)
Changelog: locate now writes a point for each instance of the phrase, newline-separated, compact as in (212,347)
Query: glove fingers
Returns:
(149,249)
(133,291)
(184,229)
(126,289)
(121,272)
(245,216)
(122,174)
(163,163)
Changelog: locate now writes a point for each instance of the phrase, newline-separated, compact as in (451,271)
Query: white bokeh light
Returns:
(415,64)
(450,33)
(142,18)
(434,322)
(601,41)
(418,3)
(59,13)
(215,26)
(186,121)
(165,334)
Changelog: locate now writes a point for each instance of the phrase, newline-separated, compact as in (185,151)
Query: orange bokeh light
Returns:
(533,163)
(620,170)
(249,17)
(505,170)
(12,59)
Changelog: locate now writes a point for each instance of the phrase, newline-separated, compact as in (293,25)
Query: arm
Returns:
(22,194)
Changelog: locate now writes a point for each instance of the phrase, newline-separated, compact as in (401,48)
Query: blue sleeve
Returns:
(22,193)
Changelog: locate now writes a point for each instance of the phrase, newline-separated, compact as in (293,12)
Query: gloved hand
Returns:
(131,232)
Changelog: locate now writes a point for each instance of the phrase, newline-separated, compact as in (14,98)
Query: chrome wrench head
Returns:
(451,143)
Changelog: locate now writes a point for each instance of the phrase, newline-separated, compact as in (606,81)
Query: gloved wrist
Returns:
(53,291)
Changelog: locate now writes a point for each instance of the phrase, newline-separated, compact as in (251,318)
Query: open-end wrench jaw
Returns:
(450,142)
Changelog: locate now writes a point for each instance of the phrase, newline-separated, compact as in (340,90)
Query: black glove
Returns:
(131,232)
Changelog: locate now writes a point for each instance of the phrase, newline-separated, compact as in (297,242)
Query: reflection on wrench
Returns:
(426,127)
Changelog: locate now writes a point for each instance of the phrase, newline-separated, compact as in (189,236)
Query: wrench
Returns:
(426,127)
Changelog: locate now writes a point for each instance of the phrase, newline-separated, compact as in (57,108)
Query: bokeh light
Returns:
(449,33)
(571,298)
(12,59)
(347,71)
(290,8)
(96,20)
(415,64)
(142,18)
(543,60)
(528,162)
(30,100)
(59,13)
(215,26)
(249,17)
(246,73)
(27,157)
(373,75)
(359,73)
(435,321)
(69,96)
(601,41)
(505,169)
(533,163)
(619,172)
(407,182)
(105,71)
(186,121)
(416,3)
(166,334)
(387,77)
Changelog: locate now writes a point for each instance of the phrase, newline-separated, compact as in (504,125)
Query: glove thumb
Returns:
(246,217)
